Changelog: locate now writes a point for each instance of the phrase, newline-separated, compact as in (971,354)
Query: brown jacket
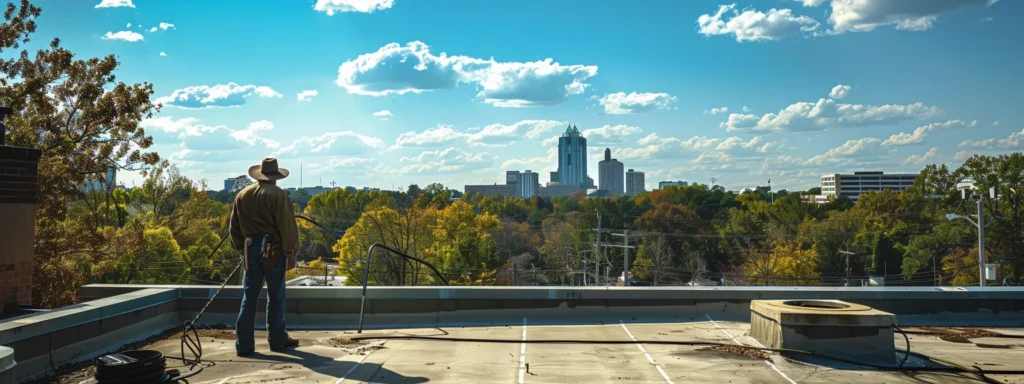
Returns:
(264,208)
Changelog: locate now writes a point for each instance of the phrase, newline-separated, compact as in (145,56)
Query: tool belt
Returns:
(261,247)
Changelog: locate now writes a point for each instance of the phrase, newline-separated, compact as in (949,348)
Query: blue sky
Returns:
(388,92)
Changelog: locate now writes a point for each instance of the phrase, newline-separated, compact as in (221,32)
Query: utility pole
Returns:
(847,253)
(981,229)
(625,253)
(597,250)
(625,256)
(981,244)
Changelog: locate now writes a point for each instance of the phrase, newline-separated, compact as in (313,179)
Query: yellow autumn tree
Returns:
(962,266)
(785,262)
(406,231)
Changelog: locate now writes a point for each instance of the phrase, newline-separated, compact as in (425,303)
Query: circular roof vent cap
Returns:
(816,304)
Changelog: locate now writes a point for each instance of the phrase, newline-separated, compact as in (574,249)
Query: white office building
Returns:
(529,182)
(634,182)
(852,185)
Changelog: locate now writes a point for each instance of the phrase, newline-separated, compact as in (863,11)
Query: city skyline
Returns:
(683,90)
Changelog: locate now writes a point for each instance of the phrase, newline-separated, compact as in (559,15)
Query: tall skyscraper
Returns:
(609,174)
(554,178)
(529,182)
(572,158)
(634,183)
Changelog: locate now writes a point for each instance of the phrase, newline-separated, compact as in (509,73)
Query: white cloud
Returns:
(129,25)
(987,19)
(532,162)
(434,135)
(715,111)
(996,123)
(383,113)
(914,15)
(540,127)
(1015,141)
(921,132)
(181,128)
(753,25)
(115,3)
(922,158)
(502,135)
(251,134)
(825,114)
(220,95)
(333,143)
(163,26)
(162,53)
(697,143)
(397,69)
(745,109)
(553,140)
(621,104)
(307,95)
(734,143)
(334,163)
(849,149)
(609,134)
(449,157)
(128,36)
(206,143)
(494,135)
(963,155)
(840,92)
(362,6)
(811,3)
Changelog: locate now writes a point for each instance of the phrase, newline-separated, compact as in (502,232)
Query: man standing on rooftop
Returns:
(263,228)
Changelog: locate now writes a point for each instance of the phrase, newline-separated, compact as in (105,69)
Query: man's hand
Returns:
(291,265)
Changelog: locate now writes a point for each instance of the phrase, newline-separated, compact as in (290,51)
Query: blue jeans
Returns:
(253,280)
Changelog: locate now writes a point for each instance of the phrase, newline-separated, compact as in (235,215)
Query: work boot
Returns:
(291,343)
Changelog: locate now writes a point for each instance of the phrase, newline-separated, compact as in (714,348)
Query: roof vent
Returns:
(827,327)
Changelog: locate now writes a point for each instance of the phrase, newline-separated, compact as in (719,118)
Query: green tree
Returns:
(84,122)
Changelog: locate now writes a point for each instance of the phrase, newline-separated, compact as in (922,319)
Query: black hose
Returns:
(906,354)
(139,367)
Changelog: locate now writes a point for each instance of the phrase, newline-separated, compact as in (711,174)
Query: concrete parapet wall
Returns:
(921,305)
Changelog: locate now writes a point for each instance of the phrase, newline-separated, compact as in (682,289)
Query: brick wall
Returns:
(18,193)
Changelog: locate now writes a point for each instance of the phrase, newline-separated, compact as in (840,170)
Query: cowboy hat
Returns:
(268,170)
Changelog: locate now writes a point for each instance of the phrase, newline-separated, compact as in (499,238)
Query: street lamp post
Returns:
(848,271)
(981,237)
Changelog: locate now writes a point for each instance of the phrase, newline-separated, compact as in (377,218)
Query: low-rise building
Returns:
(663,184)
(853,185)
(559,190)
(494,190)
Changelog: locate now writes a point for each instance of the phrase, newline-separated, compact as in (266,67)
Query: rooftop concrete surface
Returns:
(322,360)
(124,314)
